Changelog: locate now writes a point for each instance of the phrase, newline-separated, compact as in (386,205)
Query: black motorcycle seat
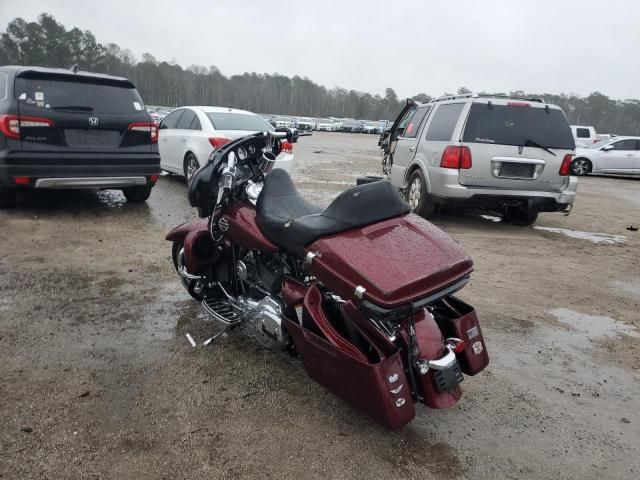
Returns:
(290,222)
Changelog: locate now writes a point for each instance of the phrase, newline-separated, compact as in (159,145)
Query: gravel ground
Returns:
(97,379)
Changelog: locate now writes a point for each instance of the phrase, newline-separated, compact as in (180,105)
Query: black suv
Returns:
(72,129)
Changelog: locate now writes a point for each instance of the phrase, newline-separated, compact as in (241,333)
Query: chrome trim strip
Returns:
(90,182)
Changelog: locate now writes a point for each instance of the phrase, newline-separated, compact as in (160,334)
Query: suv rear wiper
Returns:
(531,143)
(80,108)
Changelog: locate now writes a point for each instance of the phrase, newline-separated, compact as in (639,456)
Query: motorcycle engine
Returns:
(263,321)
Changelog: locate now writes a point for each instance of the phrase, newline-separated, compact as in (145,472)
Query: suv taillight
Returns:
(10,124)
(565,168)
(455,156)
(151,127)
(217,142)
(286,146)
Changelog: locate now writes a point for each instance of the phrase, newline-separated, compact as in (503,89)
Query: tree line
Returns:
(48,43)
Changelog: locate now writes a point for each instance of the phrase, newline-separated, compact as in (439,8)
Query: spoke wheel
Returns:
(191,165)
(580,167)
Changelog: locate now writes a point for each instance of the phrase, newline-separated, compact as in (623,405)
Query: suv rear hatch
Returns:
(81,113)
(516,145)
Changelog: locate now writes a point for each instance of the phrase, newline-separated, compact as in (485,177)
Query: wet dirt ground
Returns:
(97,379)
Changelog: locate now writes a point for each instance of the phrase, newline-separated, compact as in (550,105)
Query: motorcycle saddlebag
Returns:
(372,382)
(457,319)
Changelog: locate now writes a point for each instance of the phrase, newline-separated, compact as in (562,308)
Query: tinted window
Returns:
(582,133)
(171,120)
(195,123)
(514,125)
(625,145)
(444,122)
(99,98)
(185,121)
(238,121)
(405,120)
(414,124)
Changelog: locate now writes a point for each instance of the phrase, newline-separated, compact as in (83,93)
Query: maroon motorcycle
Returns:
(363,291)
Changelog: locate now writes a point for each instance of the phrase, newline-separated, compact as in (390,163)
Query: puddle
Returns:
(603,238)
(629,287)
(593,326)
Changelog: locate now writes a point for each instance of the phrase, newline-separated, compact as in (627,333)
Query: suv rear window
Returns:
(3,86)
(583,132)
(238,121)
(48,92)
(444,122)
(514,125)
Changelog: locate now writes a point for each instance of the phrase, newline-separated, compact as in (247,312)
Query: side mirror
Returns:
(606,148)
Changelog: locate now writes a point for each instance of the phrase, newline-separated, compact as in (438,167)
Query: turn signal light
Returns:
(286,146)
(455,156)
(217,142)
(151,127)
(10,124)
(456,343)
(565,168)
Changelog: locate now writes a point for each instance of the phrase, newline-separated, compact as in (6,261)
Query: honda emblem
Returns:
(93,121)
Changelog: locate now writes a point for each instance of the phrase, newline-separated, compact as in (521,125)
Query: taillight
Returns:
(153,178)
(10,124)
(455,156)
(21,180)
(217,142)
(151,127)
(565,168)
(285,146)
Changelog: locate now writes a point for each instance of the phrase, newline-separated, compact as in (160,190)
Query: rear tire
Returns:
(520,218)
(137,194)
(581,166)
(191,165)
(7,198)
(417,196)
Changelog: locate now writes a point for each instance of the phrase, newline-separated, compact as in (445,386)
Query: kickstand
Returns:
(209,340)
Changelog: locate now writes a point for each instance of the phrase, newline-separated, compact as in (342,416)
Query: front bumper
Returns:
(445,189)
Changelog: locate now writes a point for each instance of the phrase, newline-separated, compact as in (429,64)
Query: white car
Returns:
(619,155)
(188,135)
(324,124)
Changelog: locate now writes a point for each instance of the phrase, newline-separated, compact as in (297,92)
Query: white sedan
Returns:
(188,135)
(619,155)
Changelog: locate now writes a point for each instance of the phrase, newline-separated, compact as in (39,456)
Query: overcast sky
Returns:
(412,46)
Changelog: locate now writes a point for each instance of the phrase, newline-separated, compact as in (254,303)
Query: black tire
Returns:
(367,179)
(137,194)
(520,217)
(581,166)
(7,198)
(190,165)
(417,196)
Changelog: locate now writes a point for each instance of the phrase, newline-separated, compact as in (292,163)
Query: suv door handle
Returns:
(629,155)
(412,149)
(183,139)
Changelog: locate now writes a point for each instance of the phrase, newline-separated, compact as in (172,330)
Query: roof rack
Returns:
(485,95)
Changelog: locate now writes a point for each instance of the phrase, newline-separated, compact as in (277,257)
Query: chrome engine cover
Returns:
(263,321)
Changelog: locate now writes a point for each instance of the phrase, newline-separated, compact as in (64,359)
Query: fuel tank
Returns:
(396,261)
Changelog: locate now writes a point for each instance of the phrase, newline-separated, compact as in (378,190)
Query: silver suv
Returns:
(511,156)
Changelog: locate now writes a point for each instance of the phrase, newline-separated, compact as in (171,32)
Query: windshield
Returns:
(324,120)
(517,125)
(77,95)
(238,121)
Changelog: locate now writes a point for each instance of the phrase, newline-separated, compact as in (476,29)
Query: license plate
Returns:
(516,170)
(446,380)
(92,138)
